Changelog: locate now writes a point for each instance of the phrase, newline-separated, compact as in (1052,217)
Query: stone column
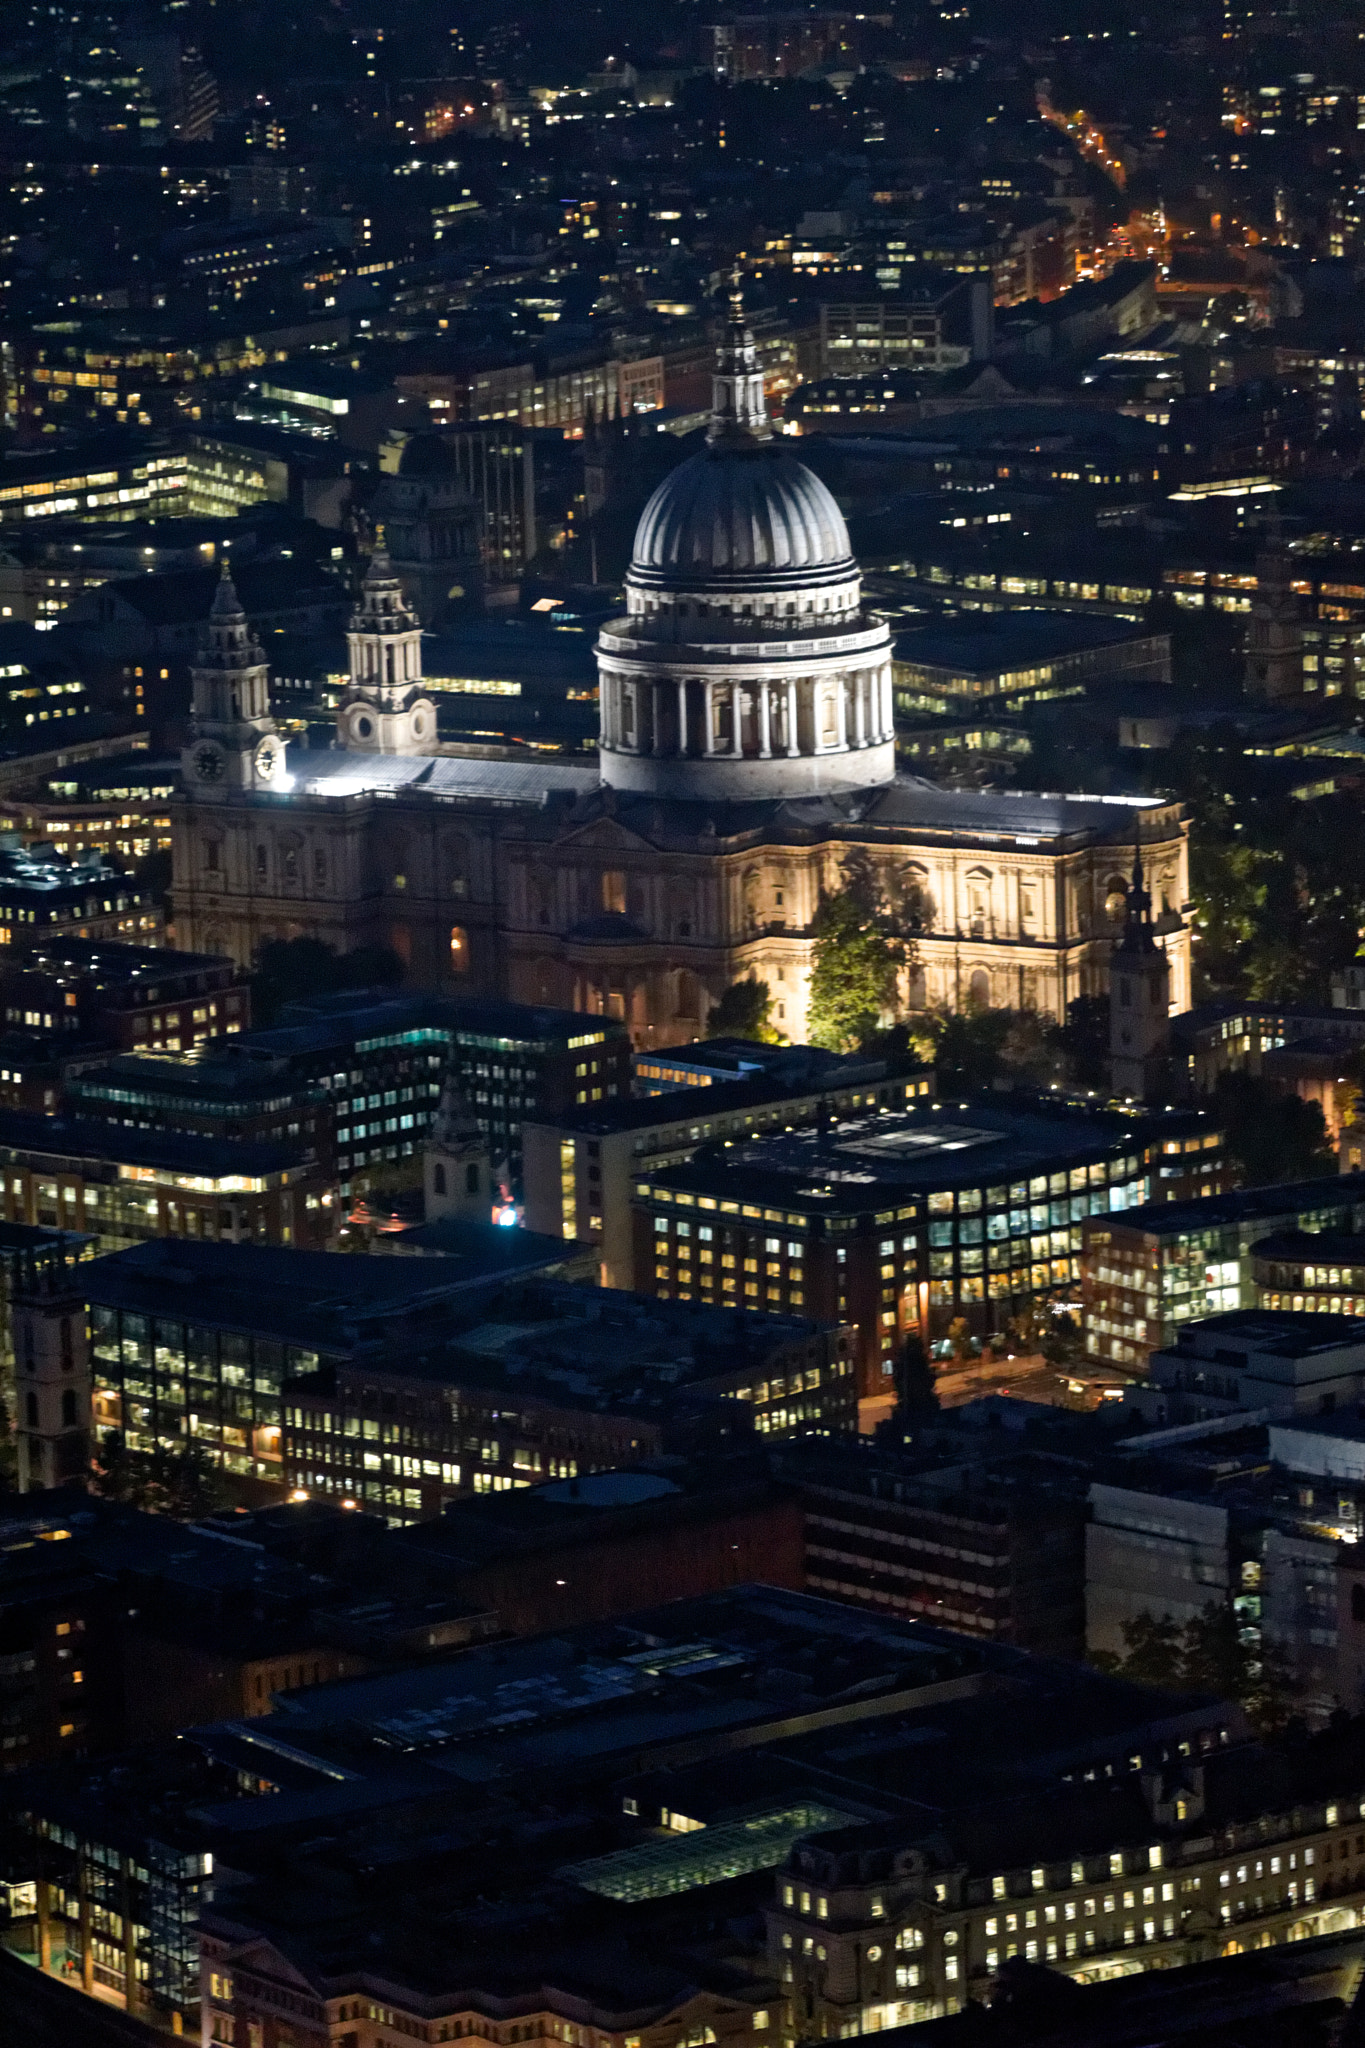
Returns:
(708,691)
(765,731)
(682,720)
(859,708)
(888,704)
(793,730)
(737,714)
(841,704)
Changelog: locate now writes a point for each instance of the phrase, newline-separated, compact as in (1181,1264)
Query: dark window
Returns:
(32,1409)
(471,1178)
(438,1179)
(69,1408)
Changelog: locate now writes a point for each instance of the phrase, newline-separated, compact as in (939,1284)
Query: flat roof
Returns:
(1281,1198)
(54,1137)
(319,1299)
(988,643)
(863,1162)
(1336,1247)
(1285,1333)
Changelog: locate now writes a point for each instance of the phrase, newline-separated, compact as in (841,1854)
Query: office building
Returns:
(1314,1271)
(578,1550)
(397,1384)
(541,1382)
(896,1222)
(580,1170)
(120,1186)
(1256,1361)
(42,894)
(135,998)
(974,1538)
(1145,1273)
(379,1059)
(1017,660)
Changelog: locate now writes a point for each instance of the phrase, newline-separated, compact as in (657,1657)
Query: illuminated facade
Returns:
(746,751)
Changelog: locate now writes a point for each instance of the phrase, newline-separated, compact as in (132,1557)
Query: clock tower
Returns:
(233,743)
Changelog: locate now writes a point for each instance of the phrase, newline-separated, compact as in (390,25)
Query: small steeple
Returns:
(457,1178)
(1139,995)
(1137,935)
(226,603)
(739,410)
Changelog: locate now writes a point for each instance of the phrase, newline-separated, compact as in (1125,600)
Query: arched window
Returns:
(69,1408)
(31,1408)
(459,949)
(438,1180)
(980,990)
(471,1178)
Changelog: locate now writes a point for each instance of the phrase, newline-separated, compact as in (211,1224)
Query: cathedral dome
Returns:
(426,455)
(741,512)
(745,666)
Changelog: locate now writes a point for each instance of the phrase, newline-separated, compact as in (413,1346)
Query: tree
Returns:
(179,1483)
(289,970)
(1084,1039)
(863,940)
(1209,1654)
(1269,1134)
(960,1339)
(744,1011)
(916,1395)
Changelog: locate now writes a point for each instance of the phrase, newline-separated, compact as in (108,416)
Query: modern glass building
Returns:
(1145,1273)
(191,1344)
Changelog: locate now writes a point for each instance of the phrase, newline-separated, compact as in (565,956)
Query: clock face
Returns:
(268,759)
(208,764)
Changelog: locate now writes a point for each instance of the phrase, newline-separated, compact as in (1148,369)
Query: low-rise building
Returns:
(543,1381)
(139,998)
(399,1384)
(1310,1271)
(1019,660)
(1262,1362)
(43,895)
(120,1186)
(580,1169)
(1144,1274)
(990,1542)
(898,1221)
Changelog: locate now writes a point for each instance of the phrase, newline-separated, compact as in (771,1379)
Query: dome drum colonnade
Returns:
(744,665)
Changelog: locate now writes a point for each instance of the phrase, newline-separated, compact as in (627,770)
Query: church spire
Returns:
(739,410)
(1137,935)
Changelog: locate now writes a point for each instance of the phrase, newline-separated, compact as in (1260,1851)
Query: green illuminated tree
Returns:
(744,1011)
(864,938)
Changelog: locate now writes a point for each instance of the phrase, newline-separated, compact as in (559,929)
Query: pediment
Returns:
(605,835)
(273,1964)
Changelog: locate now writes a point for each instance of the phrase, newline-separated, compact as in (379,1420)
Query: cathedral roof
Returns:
(741,511)
(427,455)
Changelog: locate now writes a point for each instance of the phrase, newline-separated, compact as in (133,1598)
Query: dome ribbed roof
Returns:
(747,512)
(427,455)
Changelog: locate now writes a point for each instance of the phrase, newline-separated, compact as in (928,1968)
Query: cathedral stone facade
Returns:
(746,749)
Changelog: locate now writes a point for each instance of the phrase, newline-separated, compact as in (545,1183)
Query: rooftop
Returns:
(986,643)
(1245,1205)
(115,1146)
(329,1301)
(858,1161)
(1278,1333)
